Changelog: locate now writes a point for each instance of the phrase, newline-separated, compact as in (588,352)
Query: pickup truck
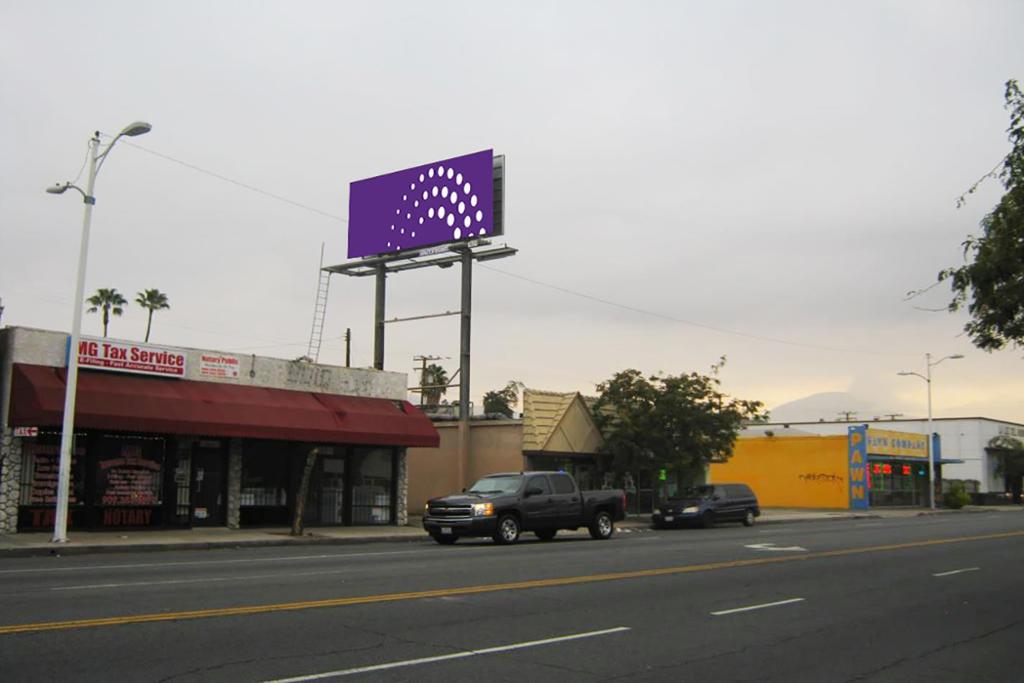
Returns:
(504,505)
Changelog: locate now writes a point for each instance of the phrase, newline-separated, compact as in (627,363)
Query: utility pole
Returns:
(348,347)
(423,372)
(927,377)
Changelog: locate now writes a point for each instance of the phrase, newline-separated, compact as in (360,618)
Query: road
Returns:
(931,598)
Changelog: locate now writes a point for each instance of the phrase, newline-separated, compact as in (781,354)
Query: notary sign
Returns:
(218,365)
(122,356)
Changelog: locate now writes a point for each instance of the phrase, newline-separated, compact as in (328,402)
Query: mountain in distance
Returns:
(831,406)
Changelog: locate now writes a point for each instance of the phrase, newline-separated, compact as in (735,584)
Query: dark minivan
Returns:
(708,505)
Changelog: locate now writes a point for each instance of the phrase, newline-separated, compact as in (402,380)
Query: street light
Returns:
(927,377)
(95,160)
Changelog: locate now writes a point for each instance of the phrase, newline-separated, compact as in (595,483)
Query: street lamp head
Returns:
(904,374)
(57,188)
(956,356)
(136,128)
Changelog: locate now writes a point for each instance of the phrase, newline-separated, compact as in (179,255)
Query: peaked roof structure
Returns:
(558,423)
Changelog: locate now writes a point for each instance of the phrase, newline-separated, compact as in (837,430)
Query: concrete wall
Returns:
(46,347)
(790,471)
(495,446)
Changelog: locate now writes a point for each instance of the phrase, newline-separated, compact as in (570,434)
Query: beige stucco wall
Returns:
(495,446)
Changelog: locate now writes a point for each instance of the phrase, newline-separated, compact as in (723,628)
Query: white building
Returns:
(963,439)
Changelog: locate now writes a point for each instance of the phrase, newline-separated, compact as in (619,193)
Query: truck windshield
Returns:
(509,484)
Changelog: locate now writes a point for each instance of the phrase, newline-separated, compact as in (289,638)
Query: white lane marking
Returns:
(772,546)
(454,655)
(958,571)
(753,607)
(295,558)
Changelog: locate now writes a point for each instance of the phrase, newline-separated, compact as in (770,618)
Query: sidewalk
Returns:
(85,542)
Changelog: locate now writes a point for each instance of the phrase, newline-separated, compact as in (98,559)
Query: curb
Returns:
(68,550)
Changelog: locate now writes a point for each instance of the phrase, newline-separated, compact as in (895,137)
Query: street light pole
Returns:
(927,377)
(67,434)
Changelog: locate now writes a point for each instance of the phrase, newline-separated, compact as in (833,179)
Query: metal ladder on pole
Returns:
(316,334)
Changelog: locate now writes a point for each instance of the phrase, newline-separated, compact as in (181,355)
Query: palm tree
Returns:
(152,300)
(110,300)
(433,383)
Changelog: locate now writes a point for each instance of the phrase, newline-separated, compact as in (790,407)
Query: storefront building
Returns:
(556,432)
(169,437)
(865,468)
(964,444)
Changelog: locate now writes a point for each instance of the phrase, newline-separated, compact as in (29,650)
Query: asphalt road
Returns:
(930,598)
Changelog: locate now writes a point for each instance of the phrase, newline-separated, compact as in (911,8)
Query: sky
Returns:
(685,180)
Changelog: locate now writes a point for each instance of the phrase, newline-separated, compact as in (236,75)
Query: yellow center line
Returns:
(486,588)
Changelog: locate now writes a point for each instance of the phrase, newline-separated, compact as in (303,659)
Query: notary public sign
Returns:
(123,356)
(218,365)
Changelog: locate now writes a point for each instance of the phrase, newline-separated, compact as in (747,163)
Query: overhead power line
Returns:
(565,290)
(662,316)
(218,176)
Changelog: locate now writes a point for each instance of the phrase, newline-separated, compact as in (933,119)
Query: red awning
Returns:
(172,406)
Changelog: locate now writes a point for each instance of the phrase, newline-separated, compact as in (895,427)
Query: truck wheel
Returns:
(444,540)
(602,527)
(546,534)
(707,520)
(508,530)
(748,518)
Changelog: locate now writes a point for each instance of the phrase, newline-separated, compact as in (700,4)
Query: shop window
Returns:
(264,474)
(129,471)
(372,485)
(40,469)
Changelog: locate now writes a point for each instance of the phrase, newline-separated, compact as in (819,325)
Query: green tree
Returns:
(152,300)
(1010,463)
(109,301)
(675,422)
(503,401)
(991,283)
(434,383)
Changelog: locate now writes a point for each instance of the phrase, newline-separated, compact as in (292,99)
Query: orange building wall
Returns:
(790,471)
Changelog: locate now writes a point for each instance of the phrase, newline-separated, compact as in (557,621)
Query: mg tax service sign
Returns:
(123,356)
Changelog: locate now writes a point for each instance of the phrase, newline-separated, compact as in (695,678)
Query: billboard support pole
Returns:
(464,339)
(378,318)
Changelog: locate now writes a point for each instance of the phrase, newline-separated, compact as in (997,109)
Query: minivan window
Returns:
(562,483)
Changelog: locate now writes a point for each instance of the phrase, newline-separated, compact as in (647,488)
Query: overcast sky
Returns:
(786,171)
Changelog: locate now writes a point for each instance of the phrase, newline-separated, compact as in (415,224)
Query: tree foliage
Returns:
(503,401)
(152,300)
(991,283)
(1009,453)
(434,383)
(109,301)
(676,422)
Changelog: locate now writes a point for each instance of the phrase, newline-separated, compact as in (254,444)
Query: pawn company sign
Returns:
(122,356)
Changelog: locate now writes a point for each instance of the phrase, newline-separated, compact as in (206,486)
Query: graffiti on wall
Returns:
(821,478)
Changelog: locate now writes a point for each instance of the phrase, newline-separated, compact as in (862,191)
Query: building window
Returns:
(129,471)
(372,485)
(264,474)
(40,467)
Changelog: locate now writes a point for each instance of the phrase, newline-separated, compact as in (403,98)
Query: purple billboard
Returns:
(444,201)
